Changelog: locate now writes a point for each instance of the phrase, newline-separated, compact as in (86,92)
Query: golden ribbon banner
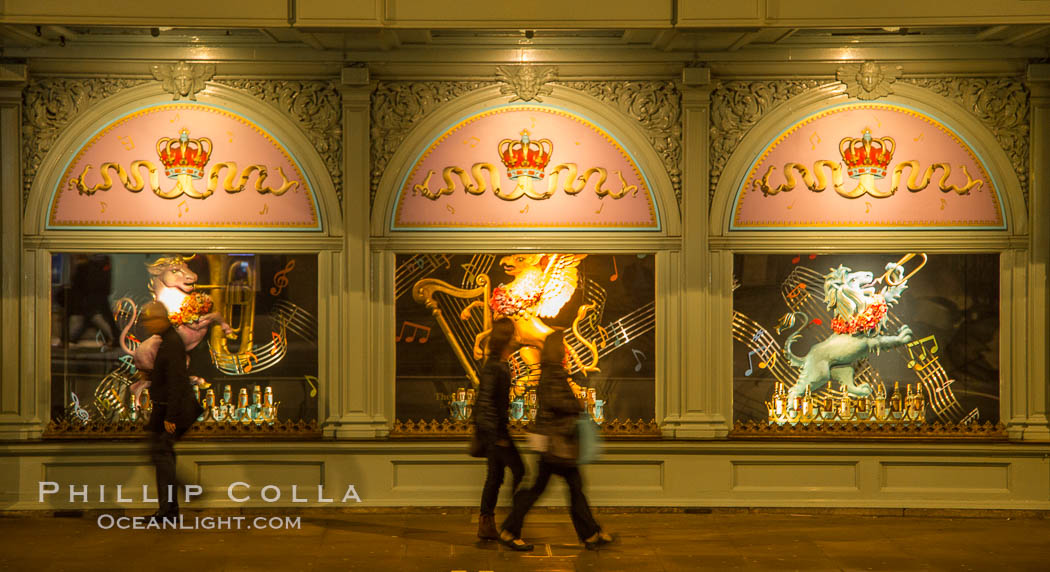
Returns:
(475,184)
(133,181)
(817,180)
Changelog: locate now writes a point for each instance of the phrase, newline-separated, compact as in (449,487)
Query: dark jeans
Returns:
(500,457)
(162,450)
(582,519)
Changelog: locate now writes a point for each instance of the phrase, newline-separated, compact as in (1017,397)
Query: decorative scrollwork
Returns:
(736,106)
(1001,104)
(49,105)
(656,106)
(935,430)
(315,106)
(397,106)
(458,428)
(124,429)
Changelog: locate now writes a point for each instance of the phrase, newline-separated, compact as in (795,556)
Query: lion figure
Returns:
(858,322)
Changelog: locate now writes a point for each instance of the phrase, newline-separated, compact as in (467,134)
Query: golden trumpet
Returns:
(888,276)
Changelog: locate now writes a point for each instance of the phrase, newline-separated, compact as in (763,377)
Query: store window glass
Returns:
(248,322)
(445,305)
(879,342)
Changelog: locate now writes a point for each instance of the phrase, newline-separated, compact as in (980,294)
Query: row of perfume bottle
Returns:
(523,406)
(909,408)
(262,409)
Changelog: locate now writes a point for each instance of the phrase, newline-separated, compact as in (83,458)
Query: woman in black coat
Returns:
(557,413)
(490,423)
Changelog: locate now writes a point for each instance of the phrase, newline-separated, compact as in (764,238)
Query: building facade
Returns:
(798,250)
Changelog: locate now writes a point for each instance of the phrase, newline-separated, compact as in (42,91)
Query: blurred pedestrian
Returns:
(557,415)
(490,418)
(174,407)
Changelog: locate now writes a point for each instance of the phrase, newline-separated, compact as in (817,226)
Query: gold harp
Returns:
(465,330)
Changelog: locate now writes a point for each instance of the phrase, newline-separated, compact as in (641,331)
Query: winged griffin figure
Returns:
(859,319)
(542,284)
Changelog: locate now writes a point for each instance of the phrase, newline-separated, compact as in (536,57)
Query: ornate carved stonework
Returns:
(49,105)
(183,79)
(656,106)
(1001,104)
(526,82)
(735,108)
(397,106)
(868,80)
(315,106)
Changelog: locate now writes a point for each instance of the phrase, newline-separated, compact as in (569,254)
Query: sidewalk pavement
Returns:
(443,540)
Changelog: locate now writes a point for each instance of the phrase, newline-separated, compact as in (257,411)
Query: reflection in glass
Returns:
(248,322)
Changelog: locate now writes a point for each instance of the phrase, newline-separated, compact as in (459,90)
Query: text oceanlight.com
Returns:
(181,522)
(236,492)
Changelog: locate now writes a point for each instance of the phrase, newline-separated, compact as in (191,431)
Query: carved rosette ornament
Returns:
(868,80)
(49,105)
(526,82)
(183,79)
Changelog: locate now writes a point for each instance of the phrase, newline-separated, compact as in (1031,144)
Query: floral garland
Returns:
(504,302)
(869,319)
(193,307)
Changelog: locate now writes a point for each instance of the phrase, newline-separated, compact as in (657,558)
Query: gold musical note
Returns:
(943,203)
(312,381)
(103,205)
(182,205)
(599,211)
(524,210)
(126,142)
(176,118)
(616,272)
(811,142)
(877,122)
(277,342)
(280,279)
(921,135)
(474,144)
(914,362)
(412,335)
(867,206)
(533,119)
(792,204)
(248,362)
(450,209)
(265,209)
(230,133)
(772,358)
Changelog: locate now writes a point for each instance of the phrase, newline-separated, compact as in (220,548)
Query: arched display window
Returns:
(874,247)
(556,214)
(217,207)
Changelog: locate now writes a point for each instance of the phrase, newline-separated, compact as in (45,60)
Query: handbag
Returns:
(589,439)
(538,442)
